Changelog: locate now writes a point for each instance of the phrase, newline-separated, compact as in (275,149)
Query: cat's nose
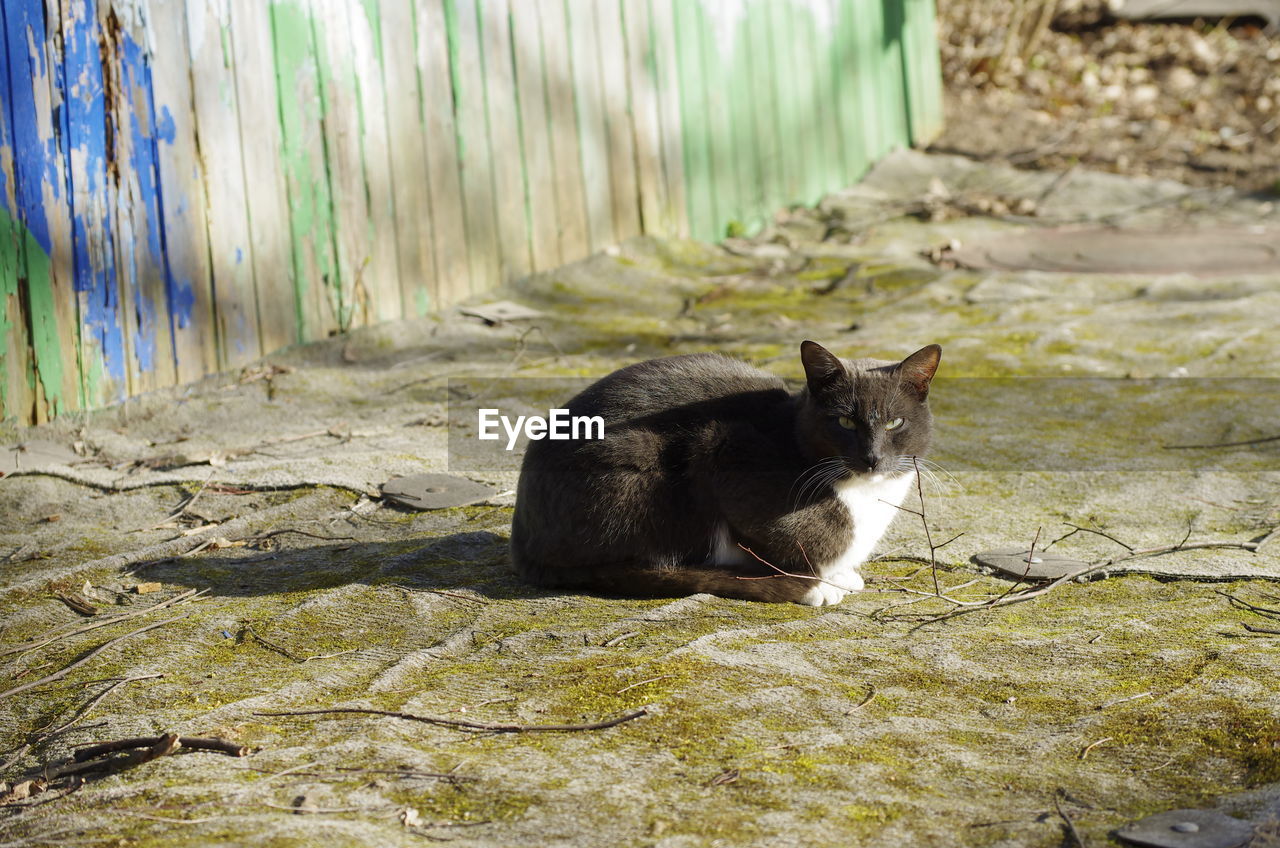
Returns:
(871,460)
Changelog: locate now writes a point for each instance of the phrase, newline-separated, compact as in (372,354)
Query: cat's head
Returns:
(871,413)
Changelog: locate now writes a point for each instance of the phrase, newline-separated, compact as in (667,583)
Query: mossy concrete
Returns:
(862,724)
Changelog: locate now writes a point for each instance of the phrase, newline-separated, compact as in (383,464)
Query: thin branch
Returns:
(781,573)
(870,696)
(98,749)
(1070,825)
(1030,556)
(85,710)
(1244,443)
(1085,753)
(186,505)
(58,675)
(643,682)
(1126,699)
(1240,603)
(1078,529)
(468,726)
(46,639)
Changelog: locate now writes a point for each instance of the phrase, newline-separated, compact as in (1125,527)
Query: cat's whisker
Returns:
(811,481)
(935,467)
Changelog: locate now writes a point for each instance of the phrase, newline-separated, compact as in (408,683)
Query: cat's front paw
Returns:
(825,593)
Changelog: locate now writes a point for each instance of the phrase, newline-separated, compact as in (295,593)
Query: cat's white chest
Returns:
(872,504)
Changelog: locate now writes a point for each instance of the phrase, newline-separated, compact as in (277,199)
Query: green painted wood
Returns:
(616,109)
(593,131)
(704,220)
(662,42)
(53,331)
(311,222)
(537,160)
(744,144)
(641,79)
(377,281)
(566,157)
(407,159)
(343,137)
(715,43)
(270,247)
(448,219)
(848,94)
(892,77)
(922,66)
(16,378)
(474,157)
(768,191)
(787,117)
(502,116)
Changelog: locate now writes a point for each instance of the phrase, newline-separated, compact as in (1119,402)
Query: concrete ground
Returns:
(1065,400)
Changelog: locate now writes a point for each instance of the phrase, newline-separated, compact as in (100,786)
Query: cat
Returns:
(704,457)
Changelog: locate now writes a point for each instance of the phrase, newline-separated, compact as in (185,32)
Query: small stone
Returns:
(1181,78)
(147,588)
(500,312)
(1187,829)
(1043,566)
(434,491)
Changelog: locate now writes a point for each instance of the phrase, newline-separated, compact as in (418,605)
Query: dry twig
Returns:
(468,726)
(58,675)
(51,636)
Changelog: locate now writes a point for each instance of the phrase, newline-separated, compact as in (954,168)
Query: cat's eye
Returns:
(894,424)
(845,422)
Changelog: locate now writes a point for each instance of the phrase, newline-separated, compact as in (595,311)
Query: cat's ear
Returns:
(918,369)
(821,367)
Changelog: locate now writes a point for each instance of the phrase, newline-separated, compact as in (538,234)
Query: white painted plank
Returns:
(570,188)
(504,141)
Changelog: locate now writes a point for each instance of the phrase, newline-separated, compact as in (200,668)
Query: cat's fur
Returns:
(703,455)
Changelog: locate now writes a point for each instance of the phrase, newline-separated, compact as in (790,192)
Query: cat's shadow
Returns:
(475,562)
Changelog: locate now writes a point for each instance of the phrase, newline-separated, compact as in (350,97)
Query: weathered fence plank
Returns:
(646,131)
(217,117)
(103,352)
(593,132)
(449,234)
(266,193)
(501,109)
(541,208)
(311,217)
(570,185)
(407,158)
(616,109)
(666,82)
(703,215)
(183,203)
(17,395)
(467,71)
(377,280)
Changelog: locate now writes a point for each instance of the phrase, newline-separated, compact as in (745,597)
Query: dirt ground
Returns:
(228,546)
(1061,83)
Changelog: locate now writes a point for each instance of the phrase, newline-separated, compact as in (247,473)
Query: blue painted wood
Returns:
(103,355)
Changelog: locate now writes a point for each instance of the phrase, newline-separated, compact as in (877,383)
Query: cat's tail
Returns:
(661,580)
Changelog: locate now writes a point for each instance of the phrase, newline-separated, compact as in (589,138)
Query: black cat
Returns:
(704,456)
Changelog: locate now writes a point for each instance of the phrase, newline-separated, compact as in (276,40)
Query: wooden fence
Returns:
(186,185)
